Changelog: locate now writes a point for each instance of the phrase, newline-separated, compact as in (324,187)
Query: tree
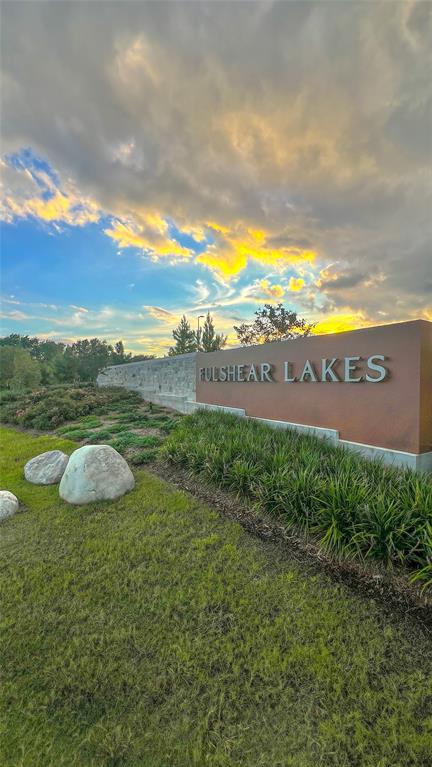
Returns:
(119,356)
(273,323)
(90,356)
(209,340)
(45,352)
(15,339)
(184,337)
(7,355)
(18,369)
(27,372)
(57,361)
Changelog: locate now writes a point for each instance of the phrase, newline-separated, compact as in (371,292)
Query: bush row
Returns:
(355,507)
(49,407)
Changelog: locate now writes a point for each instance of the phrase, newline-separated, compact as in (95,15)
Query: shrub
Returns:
(144,456)
(118,428)
(128,439)
(99,436)
(6,395)
(49,407)
(90,422)
(169,425)
(355,507)
(78,435)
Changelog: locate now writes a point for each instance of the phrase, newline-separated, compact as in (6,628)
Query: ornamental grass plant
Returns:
(355,507)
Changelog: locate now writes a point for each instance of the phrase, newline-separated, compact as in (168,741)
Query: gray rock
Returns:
(8,504)
(46,468)
(95,473)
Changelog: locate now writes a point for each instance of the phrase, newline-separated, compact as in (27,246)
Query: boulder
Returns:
(8,504)
(46,468)
(95,473)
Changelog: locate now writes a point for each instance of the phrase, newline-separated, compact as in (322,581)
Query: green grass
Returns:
(355,507)
(78,434)
(151,632)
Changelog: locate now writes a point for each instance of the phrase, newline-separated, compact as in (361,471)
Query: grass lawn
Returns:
(151,632)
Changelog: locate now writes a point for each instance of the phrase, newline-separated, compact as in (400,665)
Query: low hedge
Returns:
(355,507)
(49,407)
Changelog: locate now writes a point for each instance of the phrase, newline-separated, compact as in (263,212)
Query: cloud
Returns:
(163,315)
(277,135)
(272,291)
(29,193)
(234,249)
(16,315)
(337,323)
(150,234)
(296,284)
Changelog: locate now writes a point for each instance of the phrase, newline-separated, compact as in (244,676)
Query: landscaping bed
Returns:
(354,508)
(153,631)
(91,415)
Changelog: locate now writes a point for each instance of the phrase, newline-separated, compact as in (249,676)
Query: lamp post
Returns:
(200,317)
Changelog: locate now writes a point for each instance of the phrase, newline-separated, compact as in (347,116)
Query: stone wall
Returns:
(170,381)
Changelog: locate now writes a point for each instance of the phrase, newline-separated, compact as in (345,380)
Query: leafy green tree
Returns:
(27,371)
(65,366)
(44,351)
(209,340)
(184,337)
(119,356)
(57,361)
(15,339)
(88,357)
(273,323)
(18,369)
(7,355)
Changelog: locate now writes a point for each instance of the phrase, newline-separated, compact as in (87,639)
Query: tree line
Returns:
(203,339)
(26,362)
(271,323)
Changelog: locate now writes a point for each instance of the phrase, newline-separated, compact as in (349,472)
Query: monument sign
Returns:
(292,384)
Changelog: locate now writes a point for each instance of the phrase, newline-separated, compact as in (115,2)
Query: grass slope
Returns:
(152,633)
(91,415)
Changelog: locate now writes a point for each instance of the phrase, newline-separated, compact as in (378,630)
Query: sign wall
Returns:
(373,385)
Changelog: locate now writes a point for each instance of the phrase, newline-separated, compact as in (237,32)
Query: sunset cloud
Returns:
(296,284)
(216,155)
(160,314)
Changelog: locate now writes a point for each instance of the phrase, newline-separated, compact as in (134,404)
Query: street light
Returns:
(200,317)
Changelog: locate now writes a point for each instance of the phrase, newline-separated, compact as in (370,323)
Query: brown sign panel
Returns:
(374,385)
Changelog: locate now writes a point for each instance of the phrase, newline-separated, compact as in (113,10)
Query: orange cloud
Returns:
(296,284)
(272,291)
(234,248)
(152,236)
(61,208)
(337,323)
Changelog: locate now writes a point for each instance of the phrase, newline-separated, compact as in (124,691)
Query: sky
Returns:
(162,158)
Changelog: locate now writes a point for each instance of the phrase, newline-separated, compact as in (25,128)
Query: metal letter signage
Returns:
(354,369)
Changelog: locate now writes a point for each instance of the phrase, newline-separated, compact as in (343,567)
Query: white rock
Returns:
(46,468)
(8,504)
(95,473)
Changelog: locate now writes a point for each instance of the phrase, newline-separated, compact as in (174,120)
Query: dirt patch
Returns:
(397,597)
(147,432)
